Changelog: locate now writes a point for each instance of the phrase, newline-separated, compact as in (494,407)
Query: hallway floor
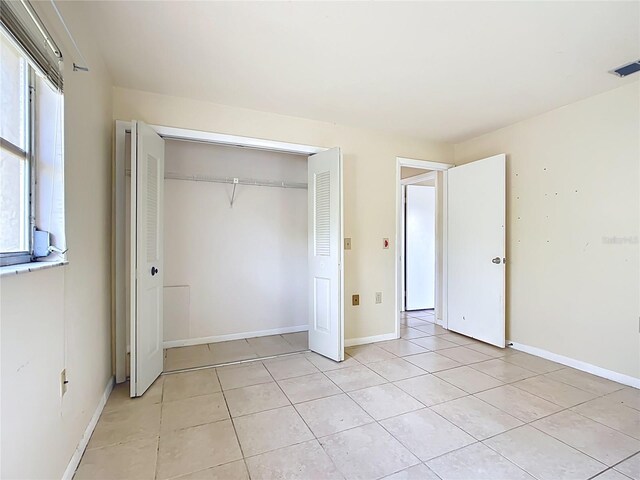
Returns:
(431,405)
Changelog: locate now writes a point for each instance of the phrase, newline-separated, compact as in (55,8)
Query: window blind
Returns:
(22,23)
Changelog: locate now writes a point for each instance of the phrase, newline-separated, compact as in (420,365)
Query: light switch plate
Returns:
(355,300)
(378,297)
(347,244)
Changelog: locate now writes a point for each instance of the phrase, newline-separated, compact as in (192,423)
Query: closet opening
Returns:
(248,237)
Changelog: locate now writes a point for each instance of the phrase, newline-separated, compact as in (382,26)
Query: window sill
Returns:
(29,267)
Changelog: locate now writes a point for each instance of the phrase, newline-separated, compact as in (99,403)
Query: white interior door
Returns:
(147,187)
(420,247)
(326,330)
(476,249)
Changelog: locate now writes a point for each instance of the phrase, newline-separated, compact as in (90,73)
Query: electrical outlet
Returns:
(355,300)
(63,382)
(347,244)
(378,297)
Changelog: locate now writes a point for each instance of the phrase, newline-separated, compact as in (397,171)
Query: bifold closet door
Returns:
(147,244)
(476,249)
(326,330)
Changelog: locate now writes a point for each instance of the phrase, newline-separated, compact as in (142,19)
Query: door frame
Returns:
(122,127)
(399,254)
(403,234)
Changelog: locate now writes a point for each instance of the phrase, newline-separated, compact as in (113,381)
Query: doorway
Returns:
(192,235)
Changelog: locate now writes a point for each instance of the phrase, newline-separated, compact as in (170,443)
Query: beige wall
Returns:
(573,183)
(369,185)
(60,318)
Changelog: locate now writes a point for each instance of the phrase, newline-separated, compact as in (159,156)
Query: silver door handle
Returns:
(496,261)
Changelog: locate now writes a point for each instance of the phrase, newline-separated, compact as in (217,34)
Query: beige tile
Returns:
(192,411)
(432,362)
(325,364)
(476,461)
(430,390)
(612,414)
(476,417)
(255,398)
(355,378)
(271,345)
(308,387)
(304,461)
(518,403)
(630,467)
(369,353)
(490,350)
(464,355)
(127,423)
(417,322)
(401,348)
(457,338)
(503,371)
(433,343)
(396,369)
(533,363)
(543,456)
(555,392)
(585,381)
(330,415)
(596,440)
(367,452)
(410,333)
(187,357)
(417,472)
(628,396)
(270,430)
(299,340)
(384,401)
(426,434)
(134,459)
(468,379)
(231,351)
(190,384)
(611,474)
(120,395)
(431,329)
(229,471)
(289,367)
(197,448)
(243,376)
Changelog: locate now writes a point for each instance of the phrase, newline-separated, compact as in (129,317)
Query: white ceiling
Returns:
(445,71)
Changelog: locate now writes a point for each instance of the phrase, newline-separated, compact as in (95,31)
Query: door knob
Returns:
(154,270)
(496,260)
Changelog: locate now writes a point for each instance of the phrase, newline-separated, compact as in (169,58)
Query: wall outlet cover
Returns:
(378,297)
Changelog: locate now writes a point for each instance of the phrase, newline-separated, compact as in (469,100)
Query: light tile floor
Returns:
(402,410)
(179,358)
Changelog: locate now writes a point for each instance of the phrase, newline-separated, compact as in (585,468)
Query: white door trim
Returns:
(399,254)
(119,214)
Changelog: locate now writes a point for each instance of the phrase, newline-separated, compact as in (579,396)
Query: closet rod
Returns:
(231,180)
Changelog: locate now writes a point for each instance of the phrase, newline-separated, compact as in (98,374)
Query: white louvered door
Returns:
(147,188)
(326,330)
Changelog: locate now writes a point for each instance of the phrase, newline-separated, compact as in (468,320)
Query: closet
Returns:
(244,245)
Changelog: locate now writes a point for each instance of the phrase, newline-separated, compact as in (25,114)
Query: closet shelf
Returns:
(232,180)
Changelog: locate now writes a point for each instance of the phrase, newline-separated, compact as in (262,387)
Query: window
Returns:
(16,128)
(31,166)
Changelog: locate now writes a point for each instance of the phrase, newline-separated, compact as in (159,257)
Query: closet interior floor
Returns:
(180,358)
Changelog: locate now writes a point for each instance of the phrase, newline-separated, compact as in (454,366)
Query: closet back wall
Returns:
(233,272)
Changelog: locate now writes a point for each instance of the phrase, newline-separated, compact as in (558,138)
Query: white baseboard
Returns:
(84,441)
(578,364)
(233,336)
(352,342)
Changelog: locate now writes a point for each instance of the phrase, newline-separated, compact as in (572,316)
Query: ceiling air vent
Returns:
(626,69)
